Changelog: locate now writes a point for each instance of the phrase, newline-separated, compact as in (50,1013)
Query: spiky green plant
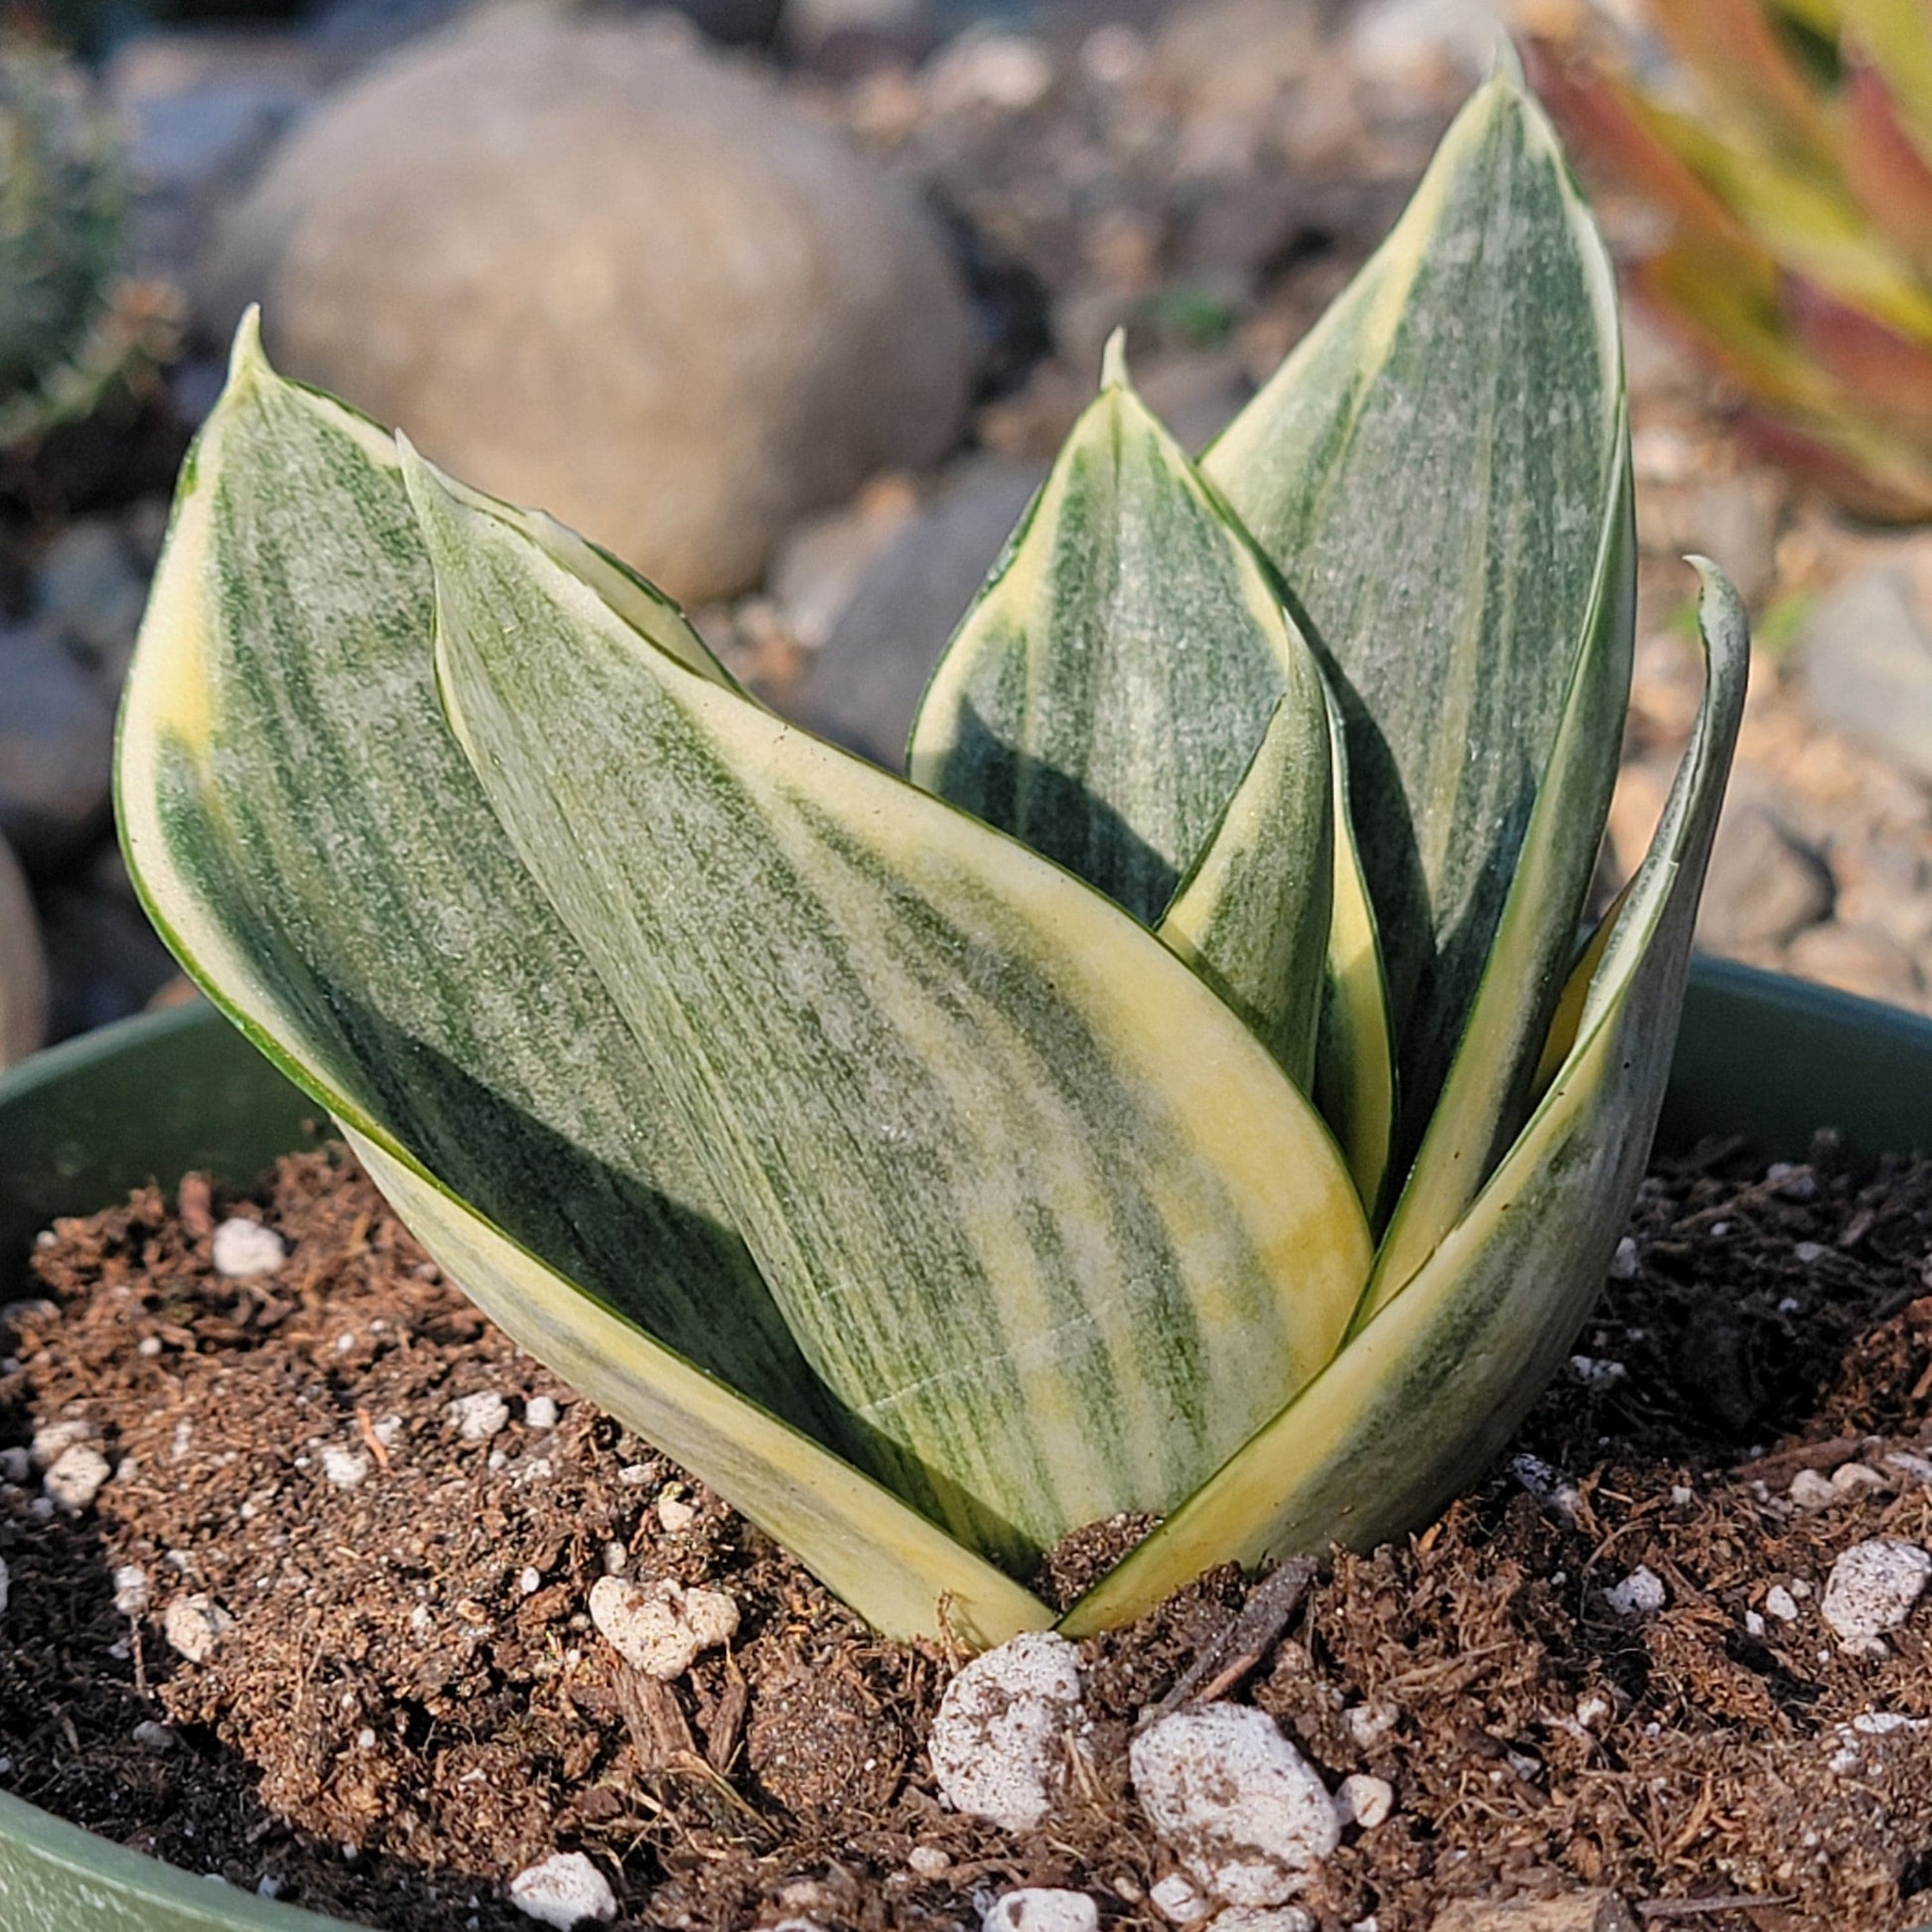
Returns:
(1183,1095)
(1790,150)
(65,333)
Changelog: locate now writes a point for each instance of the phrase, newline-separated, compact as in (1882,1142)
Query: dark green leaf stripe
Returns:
(1432,472)
(1040,1209)
(309,839)
(1108,689)
(1251,917)
(1417,1404)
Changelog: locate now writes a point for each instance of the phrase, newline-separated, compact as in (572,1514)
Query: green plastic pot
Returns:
(1760,1057)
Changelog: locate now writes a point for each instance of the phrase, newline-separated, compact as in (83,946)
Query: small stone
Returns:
(344,1468)
(476,1417)
(1238,1803)
(1593,1708)
(1593,1372)
(1864,663)
(152,1736)
(16,1464)
(1874,1586)
(76,1478)
(1916,1469)
(1856,1480)
(1006,73)
(1625,1263)
(1765,887)
(999,1741)
(1641,1593)
(1179,1899)
(1368,1723)
(1583,1911)
(675,1515)
(52,1439)
(244,1247)
(1042,1908)
(1780,1603)
(1364,1801)
(6,1585)
(659,1628)
(928,1861)
(194,1625)
(1754,1625)
(564,1891)
(1273,1918)
(540,1412)
(1810,1490)
(132,1592)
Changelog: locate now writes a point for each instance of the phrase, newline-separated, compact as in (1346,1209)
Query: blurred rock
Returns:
(1238,56)
(1733,519)
(23,970)
(1764,885)
(57,746)
(1856,959)
(862,687)
(1197,393)
(89,588)
(1864,663)
(1004,74)
(590,266)
(1406,44)
(821,565)
(103,960)
(841,38)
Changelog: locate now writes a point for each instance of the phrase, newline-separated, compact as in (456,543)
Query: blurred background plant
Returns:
(72,327)
(1786,147)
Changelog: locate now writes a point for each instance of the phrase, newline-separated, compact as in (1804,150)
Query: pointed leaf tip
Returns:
(246,357)
(1113,362)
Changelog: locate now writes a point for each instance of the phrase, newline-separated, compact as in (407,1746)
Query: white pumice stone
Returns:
(152,1736)
(1874,1586)
(540,1412)
(1364,1801)
(1810,1490)
(675,1515)
(244,1247)
(1368,1723)
(53,1441)
(16,1464)
(194,1625)
(1265,1918)
(1641,1593)
(565,1892)
(344,1468)
(476,1417)
(131,1590)
(1626,1263)
(928,1861)
(999,1741)
(6,1585)
(1179,1899)
(76,1477)
(659,1628)
(1238,1803)
(1042,1908)
(1916,1469)
(1856,1480)
(1780,1603)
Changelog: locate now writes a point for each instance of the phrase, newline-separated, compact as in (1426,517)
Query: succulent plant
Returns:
(70,327)
(1788,148)
(1184,1093)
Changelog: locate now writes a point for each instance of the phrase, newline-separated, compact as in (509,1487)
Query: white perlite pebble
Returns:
(1267,1918)
(999,1742)
(659,1628)
(476,1417)
(344,1468)
(1039,1908)
(1640,1593)
(675,1515)
(1179,1899)
(564,1891)
(1874,1586)
(1364,1801)
(1369,1724)
(1235,1800)
(194,1625)
(52,1439)
(6,1585)
(243,1247)
(1856,1480)
(1810,1490)
(1780,1603)
(928,1861)
(152,1736)
(131,1591)
(540,1412)
(76,1477)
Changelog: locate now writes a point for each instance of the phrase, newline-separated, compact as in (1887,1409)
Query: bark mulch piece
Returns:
(411,1704)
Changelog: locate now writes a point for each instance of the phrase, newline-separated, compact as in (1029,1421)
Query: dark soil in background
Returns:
(412,1704)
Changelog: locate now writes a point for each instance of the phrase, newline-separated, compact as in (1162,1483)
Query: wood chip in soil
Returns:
(411,1705)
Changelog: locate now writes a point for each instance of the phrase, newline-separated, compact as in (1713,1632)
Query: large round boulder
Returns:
(591,266)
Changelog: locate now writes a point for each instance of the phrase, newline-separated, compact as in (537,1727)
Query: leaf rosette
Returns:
(1184,1093)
